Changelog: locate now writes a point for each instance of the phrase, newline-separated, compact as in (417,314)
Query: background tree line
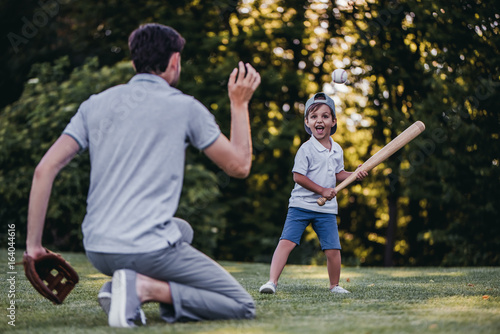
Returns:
(435,203)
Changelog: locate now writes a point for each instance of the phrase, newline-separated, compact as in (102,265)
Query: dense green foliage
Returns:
(30,125)
(439,63)
(435,202)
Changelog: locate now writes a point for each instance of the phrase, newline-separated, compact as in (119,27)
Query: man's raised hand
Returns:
(243,82)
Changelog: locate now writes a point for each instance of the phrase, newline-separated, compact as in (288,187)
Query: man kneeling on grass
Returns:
(136,135)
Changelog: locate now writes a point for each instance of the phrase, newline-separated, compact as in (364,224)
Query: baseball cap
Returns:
(320,98)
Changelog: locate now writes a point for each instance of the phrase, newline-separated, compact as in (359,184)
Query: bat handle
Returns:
(321,201)
(351,178)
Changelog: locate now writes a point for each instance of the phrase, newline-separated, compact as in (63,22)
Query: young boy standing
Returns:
(319,165)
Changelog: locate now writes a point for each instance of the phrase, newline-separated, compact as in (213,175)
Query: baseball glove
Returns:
(50,275)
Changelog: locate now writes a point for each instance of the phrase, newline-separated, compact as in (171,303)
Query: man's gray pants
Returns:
(201,289)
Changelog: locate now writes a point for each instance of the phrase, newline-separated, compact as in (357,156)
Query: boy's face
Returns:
(320,121)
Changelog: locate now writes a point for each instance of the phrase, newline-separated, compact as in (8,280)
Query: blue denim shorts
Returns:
(324,224)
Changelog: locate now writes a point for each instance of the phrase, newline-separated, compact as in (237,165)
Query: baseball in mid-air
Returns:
(339,76)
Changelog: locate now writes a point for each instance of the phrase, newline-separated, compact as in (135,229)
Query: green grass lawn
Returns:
(398,300)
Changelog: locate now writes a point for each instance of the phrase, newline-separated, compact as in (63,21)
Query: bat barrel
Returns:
(394,145)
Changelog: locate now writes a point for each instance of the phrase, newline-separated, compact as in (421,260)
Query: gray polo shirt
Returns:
(137,134)
(320,165)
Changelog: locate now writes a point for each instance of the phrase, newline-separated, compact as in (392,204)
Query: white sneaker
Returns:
(269,287)
(125,303)
(104,298)
(338,289)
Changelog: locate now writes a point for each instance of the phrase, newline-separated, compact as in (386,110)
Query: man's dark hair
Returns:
(151,46)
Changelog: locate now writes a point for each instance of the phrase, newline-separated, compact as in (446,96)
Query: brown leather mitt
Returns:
(50,275)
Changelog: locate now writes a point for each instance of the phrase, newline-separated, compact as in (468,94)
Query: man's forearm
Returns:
(38,204)
(234,155)
(241,136)
(59,154)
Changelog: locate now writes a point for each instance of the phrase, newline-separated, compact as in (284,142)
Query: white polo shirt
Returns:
(320,165)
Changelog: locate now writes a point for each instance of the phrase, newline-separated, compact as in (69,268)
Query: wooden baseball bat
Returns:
(404,138)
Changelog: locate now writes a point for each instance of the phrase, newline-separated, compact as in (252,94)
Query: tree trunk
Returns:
(392,225)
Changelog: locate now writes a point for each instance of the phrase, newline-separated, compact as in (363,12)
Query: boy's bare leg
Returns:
(333,263)
(153,290)
(280,257)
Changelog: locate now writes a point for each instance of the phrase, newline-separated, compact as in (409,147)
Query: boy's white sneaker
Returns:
(338,289)
(269,287)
